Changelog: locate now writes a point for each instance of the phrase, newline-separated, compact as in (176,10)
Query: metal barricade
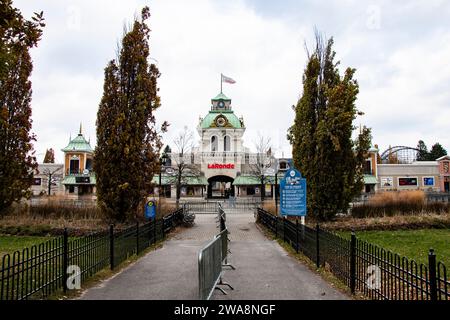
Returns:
(210,267)
(222,225)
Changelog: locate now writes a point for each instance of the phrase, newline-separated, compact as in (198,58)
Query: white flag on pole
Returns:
(227,80)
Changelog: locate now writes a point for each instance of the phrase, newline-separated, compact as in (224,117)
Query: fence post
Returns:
(296,235)
(432,275)
(353,263)
(276,227)
(150,232)
(65,259)
(137,237)
(111,246)
(317,246)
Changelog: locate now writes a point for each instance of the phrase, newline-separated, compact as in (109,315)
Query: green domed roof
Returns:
(221,96)
(233,121)
(79,143)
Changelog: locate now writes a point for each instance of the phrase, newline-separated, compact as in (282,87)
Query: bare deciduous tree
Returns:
(264,161)
(182,161)
(50,175)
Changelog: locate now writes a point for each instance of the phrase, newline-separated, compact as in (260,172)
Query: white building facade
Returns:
(221,165)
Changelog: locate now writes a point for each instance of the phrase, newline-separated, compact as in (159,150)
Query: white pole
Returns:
(302,220)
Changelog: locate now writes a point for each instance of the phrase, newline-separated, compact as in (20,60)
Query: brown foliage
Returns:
(17,162)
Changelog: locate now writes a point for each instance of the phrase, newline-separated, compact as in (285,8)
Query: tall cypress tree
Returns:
(321,135)
(128,144)
(17,161)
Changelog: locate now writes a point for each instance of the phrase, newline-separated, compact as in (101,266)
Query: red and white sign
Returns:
(221,166)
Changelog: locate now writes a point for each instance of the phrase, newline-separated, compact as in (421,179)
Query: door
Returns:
(447,186)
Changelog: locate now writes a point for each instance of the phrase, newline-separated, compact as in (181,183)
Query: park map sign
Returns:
(293,194)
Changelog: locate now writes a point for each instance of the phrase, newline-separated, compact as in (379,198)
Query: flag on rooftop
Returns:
(227,79)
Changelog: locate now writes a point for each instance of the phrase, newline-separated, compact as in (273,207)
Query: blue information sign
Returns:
(150,210)
(293,194)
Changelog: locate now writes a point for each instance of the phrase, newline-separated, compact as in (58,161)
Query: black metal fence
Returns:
(42,270)
(365,268)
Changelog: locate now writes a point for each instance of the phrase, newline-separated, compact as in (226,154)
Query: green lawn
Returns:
(413,244)
(9,244)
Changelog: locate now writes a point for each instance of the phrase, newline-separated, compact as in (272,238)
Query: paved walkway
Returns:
(263,268)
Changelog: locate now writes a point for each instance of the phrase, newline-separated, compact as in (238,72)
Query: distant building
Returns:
(444,173)
(371,171)
(422,175)
(433,176)
(79,179)
(48,178)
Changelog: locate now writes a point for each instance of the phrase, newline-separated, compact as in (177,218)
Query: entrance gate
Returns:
(228,205)
(220,187)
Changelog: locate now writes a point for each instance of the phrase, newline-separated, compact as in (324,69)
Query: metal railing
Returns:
(373,271)
(42,270)
(229,205)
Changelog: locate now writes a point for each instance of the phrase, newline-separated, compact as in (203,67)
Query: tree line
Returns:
(127,153)
(437,151)
(127,156)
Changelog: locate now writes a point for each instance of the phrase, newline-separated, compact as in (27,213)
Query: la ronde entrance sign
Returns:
(293,194)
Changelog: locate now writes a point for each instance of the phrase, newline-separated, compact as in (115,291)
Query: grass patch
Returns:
(10,244)
(413,244)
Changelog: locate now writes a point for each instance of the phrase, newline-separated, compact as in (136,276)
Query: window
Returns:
(428,181)
(37,181)
(214,144)
(250,191)
(387,182)
(89,164)
(71,189)
(368,167)
(74,166)
(407,182)
(226,143)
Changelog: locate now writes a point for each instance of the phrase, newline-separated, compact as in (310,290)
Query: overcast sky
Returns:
(401,51)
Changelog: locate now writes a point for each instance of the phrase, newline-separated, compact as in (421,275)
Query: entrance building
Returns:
(221,161)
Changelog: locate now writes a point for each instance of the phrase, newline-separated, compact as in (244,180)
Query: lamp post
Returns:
(276,192)
(162,162)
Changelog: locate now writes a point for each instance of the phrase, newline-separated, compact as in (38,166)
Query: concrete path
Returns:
(263,268)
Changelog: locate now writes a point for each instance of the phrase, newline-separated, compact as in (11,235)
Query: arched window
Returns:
(214,144)
(226,143)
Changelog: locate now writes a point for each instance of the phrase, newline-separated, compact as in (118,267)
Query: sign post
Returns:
(150,210)
(293,195)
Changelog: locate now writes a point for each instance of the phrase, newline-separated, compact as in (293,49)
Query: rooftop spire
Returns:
(81,127)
